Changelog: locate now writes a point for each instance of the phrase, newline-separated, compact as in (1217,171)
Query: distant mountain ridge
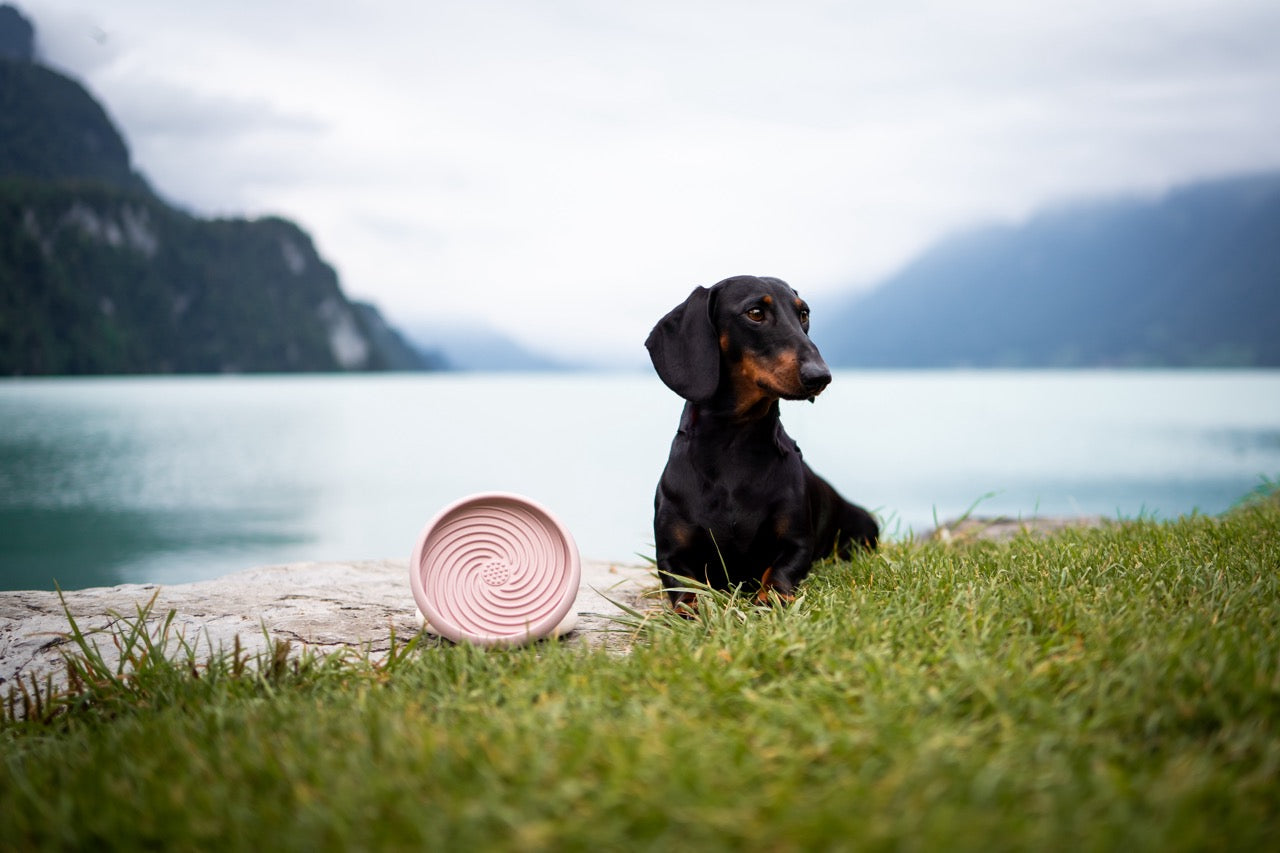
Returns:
(99,276)
(481,348)
(1191,279)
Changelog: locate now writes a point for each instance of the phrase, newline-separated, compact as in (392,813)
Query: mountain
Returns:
(480,348)
(98,275)
(399,352)
(1191,279)
(51,129)
(17,36)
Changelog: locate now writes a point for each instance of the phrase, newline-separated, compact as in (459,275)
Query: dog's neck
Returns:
(715,417)
(716,430)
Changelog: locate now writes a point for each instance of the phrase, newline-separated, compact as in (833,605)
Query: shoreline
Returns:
(335,605)
(322,606)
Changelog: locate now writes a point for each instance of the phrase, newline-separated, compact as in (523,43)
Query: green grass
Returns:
(1105,689)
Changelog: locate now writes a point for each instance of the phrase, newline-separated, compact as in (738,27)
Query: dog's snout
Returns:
(815,376)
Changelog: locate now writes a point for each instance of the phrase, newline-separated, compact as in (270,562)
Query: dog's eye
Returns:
(804,316)
(756,315)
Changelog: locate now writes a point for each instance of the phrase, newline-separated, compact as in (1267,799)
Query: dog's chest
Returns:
(741,489)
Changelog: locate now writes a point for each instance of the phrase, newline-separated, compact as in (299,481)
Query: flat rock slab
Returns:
(324,606)
(1003,528)
(331,606)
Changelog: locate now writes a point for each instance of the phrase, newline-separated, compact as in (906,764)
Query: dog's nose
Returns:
(815,376)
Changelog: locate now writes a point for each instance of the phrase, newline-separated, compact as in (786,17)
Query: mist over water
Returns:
(170,480)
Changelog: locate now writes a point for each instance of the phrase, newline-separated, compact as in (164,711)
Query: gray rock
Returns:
(1003,528)
(323,606)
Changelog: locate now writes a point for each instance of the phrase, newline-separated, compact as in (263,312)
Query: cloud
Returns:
(569,170)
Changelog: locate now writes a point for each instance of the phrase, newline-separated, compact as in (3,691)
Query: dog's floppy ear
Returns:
(684,348)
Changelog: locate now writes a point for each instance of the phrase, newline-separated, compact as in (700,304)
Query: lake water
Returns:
(169,480)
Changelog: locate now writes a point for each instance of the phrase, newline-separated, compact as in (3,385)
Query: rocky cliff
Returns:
(99,275)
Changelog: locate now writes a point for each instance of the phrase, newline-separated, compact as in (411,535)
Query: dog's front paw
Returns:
(774,589)
(685,605)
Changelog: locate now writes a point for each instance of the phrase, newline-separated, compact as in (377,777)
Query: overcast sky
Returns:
(566,171)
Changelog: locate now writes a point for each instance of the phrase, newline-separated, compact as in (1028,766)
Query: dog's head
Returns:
(745,339)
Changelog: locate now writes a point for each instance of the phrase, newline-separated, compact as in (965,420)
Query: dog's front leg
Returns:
(789,567)
(682,557)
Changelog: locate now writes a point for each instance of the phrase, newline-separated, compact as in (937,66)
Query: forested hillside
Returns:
(1190,279)
(99,275)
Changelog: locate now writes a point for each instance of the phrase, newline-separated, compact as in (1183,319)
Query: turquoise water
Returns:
(170,480)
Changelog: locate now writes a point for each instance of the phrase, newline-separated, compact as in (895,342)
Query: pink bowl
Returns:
(495,569)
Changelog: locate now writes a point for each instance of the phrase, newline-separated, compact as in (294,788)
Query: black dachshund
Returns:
(736,504)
